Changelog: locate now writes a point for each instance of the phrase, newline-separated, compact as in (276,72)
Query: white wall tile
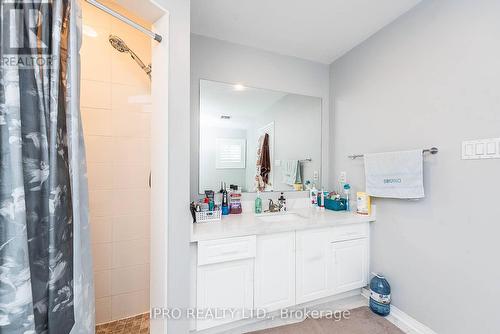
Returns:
(95,94)
(103,310)
(126,98)
(136,176)
(97,122)
(99,149)
(95,17)
(126,202)
(101,229)
(115,93)
(102,283)
(101,203)
(130,279)
(102,254)
(100,176)
(95,40)
(129,253)
(131,150)
(130,303)
(130,228)
(131,124)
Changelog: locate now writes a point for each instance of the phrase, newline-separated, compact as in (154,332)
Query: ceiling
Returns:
(242,104)
(317,30)
(149,11)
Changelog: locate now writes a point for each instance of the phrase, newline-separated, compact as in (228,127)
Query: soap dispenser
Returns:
(282,202)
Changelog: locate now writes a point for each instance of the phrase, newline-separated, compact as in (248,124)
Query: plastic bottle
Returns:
(225,202)
(313,193)
(282,201)
(380,295)
(347,194)
(258,203)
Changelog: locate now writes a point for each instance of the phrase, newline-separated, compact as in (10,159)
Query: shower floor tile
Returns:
(134,325)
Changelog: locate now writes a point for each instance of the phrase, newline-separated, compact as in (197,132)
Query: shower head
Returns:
(120,45)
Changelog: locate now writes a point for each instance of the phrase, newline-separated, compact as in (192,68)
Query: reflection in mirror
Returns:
(258,139)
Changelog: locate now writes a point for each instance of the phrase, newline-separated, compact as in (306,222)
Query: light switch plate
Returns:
(481,149)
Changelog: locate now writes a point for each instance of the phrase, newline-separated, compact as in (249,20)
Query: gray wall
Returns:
(217,60)
(179,218)
(431,78)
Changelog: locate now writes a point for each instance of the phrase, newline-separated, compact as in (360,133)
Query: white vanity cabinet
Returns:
(331,261)
(312,256)
(225,278)
(275,271)
(349,267)
(279,270)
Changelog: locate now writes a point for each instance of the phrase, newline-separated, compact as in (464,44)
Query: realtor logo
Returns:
(26,32)
(388,181)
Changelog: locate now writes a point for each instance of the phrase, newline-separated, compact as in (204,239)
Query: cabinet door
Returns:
(275,271)
(312,265)
(224,286)
(349,264)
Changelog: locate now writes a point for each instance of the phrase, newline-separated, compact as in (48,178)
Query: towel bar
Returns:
(432,150)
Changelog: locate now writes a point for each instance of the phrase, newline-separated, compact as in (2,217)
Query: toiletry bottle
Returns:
(258,203)
(322,199)
(319,195)
(235,201)
(363,202)
(282,202)
(347,194)
(225,202)
(313,193)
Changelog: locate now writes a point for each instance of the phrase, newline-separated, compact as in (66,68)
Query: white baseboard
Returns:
(402,320)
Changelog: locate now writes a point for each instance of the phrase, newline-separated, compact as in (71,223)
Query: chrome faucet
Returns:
(273,207)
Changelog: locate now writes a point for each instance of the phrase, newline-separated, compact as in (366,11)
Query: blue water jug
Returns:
(380,295)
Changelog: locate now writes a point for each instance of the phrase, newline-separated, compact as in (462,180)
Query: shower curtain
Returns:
(46,281)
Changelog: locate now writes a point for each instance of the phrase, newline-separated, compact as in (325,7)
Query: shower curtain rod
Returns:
(120,17)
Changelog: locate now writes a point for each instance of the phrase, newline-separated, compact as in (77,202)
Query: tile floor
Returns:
(134,325)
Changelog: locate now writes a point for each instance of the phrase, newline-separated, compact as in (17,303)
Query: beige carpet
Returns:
(361,321)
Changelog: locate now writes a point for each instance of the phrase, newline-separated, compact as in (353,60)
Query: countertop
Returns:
(250,224)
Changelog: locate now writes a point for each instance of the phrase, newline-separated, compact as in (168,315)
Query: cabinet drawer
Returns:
(349,232)
(222,250)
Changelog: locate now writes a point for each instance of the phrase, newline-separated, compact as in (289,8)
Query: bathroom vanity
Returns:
(274,261)
(268,141)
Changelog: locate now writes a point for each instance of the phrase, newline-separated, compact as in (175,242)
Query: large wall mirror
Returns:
(258,139)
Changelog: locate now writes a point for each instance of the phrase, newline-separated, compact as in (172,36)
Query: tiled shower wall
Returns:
(116,119)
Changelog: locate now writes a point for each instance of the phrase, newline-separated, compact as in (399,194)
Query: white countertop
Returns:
(250,224)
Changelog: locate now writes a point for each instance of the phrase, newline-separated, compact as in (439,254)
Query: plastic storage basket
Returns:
(208,216)
(335,204)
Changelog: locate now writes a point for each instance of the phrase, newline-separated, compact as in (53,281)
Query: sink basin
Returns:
(277,217)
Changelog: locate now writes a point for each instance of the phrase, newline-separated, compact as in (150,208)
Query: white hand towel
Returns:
(291,172)
(395,174)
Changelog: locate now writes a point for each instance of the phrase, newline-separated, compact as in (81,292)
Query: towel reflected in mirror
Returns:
(263,166)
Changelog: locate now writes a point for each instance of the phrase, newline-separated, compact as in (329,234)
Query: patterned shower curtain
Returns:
(45,264)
